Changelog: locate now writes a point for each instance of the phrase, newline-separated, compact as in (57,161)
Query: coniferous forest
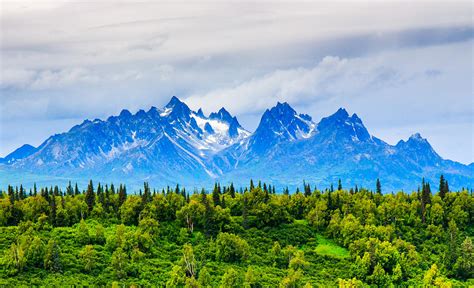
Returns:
(252,236)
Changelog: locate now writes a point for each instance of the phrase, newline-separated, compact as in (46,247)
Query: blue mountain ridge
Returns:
(177,145)
(20,153)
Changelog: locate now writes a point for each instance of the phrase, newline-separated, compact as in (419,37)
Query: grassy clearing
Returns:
(327,247)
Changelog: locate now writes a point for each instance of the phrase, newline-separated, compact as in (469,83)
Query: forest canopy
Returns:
(228,237)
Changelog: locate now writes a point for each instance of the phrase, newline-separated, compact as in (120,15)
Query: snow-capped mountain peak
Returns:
(222,115)
(280,124)
(342,126)
(418,149)
(177,144)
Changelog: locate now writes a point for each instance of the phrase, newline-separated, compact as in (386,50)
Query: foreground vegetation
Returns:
(228,238)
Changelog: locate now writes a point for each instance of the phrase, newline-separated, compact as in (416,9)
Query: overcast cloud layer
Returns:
(402,67)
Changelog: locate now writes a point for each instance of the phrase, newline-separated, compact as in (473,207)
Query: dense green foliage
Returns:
(228,238)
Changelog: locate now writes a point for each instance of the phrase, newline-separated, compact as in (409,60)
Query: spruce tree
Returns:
(146,197)
(442,187)
(425,199)
(232,190)
(76,190)
(216,195)
(22,193)
(203,195)
(330,204)
(90,196)
(177,190)
(307,190)
(378,187)
(45,194)
(69,190)
(56,190)
(339,185)
(11,195)
(101,195)
(122,194)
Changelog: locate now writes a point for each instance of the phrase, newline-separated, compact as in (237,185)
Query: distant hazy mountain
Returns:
(20,153)
(177,145)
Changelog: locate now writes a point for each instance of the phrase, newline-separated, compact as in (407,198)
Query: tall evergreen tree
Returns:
(107,197)
(442,186)
(378,187)
(339,185)
(45,194)
(22,193)
(101,195)
(216,197)
(122,195)
(425,199)
(203,195)
(232,190)
(146,197)
(307,190)
(11,194)
(90,196)
(69,190)
(76,190)
(56,191)
(177,190)
(330,202)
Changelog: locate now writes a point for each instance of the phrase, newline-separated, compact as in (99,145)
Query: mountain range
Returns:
(178,145)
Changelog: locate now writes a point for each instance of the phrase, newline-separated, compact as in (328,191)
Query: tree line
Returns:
(251,236)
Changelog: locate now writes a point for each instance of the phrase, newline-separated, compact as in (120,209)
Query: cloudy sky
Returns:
(403,67)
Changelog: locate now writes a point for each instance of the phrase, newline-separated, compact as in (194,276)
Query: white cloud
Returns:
(16,77)
(331,77)
(45,79)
